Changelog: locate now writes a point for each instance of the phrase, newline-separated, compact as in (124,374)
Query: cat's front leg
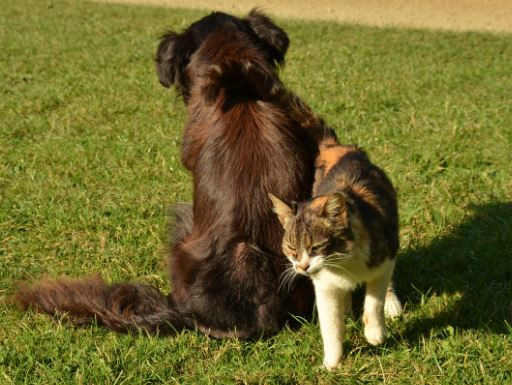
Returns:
(330,302)
(373,315)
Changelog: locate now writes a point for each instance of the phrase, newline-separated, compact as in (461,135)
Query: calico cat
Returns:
(344,236)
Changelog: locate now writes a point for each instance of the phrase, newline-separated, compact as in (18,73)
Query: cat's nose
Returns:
(304,264)
(302,267)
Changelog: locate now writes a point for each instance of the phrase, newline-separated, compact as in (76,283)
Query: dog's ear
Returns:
(273,36)
(172,56)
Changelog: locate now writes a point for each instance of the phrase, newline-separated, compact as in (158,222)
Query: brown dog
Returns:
(246,136)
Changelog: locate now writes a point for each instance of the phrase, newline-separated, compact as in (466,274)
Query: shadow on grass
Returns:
(465,276)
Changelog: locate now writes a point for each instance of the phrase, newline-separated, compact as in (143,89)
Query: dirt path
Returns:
(459,15)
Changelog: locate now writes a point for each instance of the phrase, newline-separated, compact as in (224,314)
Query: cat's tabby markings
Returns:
(346,235)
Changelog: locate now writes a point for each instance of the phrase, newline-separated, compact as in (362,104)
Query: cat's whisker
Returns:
(337,257)
(287,279)
(338,254)
(283,276)
(285,271)
(290,283)
(345,271)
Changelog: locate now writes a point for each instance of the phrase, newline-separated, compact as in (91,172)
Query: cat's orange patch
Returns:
(329,141)
(330,154)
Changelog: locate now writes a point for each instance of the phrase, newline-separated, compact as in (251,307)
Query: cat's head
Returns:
(317,233)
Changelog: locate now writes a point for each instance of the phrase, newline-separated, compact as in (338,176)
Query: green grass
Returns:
(90,160)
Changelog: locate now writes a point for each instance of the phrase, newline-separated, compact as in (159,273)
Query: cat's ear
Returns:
(335,207)
(283,211)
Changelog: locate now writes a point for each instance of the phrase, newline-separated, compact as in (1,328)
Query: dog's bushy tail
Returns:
(250,78)
(121,307)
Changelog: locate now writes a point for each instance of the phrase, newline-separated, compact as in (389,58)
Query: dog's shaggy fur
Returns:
(246,136)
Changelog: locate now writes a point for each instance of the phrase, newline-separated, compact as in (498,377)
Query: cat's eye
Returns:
(317,249)
(290,250)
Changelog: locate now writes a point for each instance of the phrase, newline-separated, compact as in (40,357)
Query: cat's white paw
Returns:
(375,335)
(392,306)
(332,365)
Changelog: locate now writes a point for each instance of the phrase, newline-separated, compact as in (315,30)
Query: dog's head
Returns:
(175,49)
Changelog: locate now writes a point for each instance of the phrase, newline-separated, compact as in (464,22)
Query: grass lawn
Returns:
(90,161)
